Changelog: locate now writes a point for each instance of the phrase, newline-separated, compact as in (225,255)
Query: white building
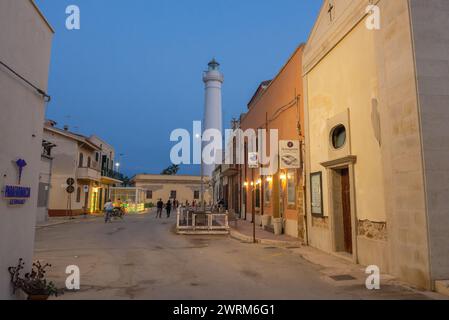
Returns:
(26,39)
(89,161)
(213,80)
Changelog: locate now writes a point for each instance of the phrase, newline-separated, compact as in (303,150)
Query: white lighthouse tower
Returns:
(213,80)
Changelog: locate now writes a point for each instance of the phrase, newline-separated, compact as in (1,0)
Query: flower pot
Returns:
(38,297)
(277,225)
(266,220)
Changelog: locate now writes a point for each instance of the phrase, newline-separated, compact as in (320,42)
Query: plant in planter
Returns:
(33,283)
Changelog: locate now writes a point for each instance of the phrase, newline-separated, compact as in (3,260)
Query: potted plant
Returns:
(33,283)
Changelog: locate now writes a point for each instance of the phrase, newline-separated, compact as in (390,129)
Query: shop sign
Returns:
(17,195)
(289,154)
(253,160)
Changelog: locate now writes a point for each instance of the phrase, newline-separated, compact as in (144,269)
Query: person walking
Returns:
(168,208)
(108,208)
(160,206)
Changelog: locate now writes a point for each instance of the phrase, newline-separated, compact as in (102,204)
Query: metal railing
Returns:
(112,174)
(190,221)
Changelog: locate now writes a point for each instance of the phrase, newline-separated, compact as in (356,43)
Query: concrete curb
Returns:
(249,239)
(57,223)
(48,225)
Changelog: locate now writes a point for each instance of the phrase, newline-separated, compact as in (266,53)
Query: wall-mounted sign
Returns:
(289,154)
(17,195)
(253,160)
(86,189)
(17,192)
(316,190)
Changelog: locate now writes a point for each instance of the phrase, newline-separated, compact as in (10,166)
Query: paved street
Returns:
(142,258)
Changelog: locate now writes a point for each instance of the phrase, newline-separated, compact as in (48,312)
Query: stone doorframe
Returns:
(333,165)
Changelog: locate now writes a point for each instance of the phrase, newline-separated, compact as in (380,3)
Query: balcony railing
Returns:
(86,173)
(112,174)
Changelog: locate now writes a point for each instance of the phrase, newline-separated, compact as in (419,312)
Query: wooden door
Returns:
(346,202)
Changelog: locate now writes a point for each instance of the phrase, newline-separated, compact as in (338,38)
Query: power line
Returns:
(47,98)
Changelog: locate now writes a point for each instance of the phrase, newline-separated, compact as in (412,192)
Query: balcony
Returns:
(228,170)
(86,173)
(111,176)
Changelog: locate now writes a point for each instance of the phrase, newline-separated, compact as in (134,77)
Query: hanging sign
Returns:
(289,154)
(253,160)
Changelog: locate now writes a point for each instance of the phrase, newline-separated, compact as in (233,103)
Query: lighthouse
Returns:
(213,80)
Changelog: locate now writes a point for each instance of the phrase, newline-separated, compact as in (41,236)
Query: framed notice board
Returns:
(316,191)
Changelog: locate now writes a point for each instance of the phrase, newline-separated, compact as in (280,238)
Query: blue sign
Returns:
(17,192)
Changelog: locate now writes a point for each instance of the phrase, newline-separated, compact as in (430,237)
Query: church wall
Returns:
(368,76)
(430,22)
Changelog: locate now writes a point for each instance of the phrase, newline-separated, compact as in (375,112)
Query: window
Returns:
(97,156)
(196,195)
(81,160)
(88,162)
(173,194)
(258,197)
(291,187)
(338,136)
(78,195)
(149,194)
(267,191)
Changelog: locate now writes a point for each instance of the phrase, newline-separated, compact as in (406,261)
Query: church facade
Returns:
(376,103)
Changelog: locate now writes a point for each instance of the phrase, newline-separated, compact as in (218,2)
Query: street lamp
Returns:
(117,165)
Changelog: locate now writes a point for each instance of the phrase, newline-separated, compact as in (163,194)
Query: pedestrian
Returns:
(108,208)
(168,208)
(160,206)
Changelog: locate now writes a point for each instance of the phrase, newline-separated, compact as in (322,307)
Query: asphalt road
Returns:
(142,258)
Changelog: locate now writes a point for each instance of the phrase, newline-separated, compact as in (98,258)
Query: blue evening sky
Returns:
(133,72)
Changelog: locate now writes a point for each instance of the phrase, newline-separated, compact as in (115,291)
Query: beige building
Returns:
(376,110)
(89,161)
(180,187)
(26,39)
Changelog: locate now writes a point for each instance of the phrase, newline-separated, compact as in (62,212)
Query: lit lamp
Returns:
(269,179)
(245,184)
(259,181)
(283,177)
(117,165)
(252,184)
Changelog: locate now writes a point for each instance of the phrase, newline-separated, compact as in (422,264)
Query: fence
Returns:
(194,222)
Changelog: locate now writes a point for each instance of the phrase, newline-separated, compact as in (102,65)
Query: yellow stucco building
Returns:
(183,188)
(377,153)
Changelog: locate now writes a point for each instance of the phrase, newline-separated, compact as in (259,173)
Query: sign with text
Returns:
(289,154)
(17,192)
(16,195)
(253,160)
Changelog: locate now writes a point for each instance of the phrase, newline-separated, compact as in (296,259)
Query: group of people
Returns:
(168,207)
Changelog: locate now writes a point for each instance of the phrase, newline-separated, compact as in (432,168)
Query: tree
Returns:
(171,170)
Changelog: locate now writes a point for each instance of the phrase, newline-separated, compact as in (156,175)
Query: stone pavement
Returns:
(141,257)
(330,266)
